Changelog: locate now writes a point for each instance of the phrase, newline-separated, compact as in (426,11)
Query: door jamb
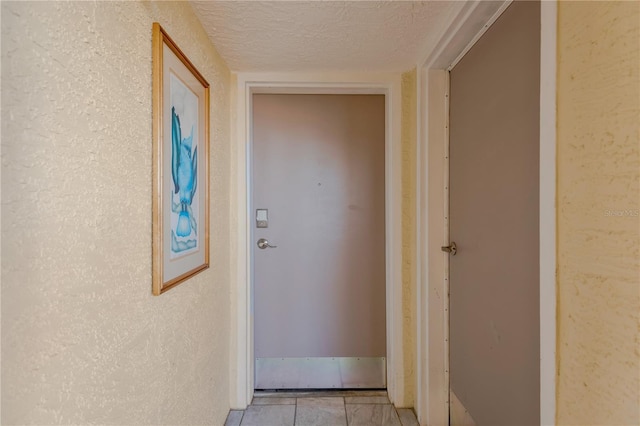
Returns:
(241,348)
(432,346)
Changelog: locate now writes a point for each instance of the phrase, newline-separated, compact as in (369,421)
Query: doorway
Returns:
(318,201)
(242,297)
(494,276)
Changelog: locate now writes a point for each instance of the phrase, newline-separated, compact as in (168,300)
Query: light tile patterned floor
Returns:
(333,408)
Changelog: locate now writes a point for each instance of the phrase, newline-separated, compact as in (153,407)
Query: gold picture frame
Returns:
(180,166)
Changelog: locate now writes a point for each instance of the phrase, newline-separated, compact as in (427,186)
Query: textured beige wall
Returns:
(598,223)
(409,232)
(83,340)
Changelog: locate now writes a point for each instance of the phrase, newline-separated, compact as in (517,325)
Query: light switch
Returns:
(262,218)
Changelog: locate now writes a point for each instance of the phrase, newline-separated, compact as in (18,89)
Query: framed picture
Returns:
(180,166)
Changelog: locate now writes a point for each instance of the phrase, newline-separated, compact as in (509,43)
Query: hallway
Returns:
(327,408)
(84,339)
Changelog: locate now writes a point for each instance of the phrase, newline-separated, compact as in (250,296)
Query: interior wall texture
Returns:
(409,140)
(598,201)
(83,339)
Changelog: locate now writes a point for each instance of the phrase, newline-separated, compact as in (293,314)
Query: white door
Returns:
(319,241)
(494,193)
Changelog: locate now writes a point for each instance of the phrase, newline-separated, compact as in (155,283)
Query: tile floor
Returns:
(331,408)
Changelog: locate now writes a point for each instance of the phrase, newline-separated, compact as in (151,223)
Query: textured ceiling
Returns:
(322,35)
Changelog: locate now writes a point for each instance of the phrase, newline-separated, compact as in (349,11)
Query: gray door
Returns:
(494,175)
(318,200)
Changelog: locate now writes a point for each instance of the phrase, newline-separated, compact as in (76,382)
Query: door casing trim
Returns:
(432,346)
(241,344)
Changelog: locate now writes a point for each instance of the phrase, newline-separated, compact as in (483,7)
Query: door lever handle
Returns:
(263,243)
(451,248)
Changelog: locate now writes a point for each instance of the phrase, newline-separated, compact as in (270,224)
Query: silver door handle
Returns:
(451,248)
(263,244)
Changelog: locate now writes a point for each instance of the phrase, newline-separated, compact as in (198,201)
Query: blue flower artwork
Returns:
(184,169)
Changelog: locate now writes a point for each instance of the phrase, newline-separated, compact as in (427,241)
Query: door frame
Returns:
(432,346)
(241,339)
